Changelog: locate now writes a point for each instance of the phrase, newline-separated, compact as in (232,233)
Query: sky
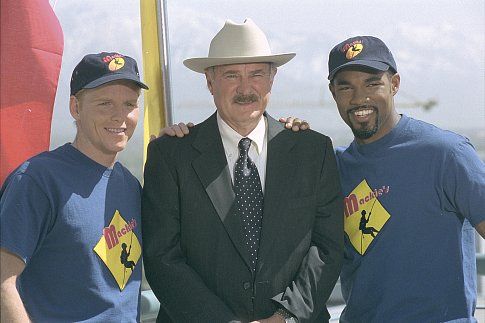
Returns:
(439,48)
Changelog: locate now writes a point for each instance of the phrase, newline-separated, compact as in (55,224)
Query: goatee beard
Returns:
(364,132)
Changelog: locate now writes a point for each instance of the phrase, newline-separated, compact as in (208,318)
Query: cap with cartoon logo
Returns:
(365,51)
(98,69)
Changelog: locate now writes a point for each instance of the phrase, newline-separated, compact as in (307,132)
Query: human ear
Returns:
(74,107)
(395,83)
(332,89)
(209,82)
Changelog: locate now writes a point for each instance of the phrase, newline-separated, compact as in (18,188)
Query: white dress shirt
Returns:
(258,151)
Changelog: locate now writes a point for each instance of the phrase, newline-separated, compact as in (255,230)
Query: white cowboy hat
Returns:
(238,44)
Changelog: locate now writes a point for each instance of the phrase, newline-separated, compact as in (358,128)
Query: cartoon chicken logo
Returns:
(116,64)
(354,50)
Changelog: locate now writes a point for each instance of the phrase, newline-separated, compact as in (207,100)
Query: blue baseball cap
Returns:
(364,51)
(97,69)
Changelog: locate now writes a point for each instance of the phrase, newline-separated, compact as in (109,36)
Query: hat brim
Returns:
(380,66)
(200,64)
(114,77)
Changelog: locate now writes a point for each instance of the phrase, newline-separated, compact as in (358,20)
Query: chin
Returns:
(118,147)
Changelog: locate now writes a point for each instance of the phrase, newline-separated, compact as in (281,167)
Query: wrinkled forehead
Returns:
(248,67)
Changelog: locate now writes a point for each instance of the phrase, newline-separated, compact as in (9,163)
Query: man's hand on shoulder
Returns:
(295,124)
(180,130)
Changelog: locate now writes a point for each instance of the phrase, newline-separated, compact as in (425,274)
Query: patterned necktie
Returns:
(249,200)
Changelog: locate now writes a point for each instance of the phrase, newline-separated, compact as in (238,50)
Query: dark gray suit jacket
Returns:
(194,255)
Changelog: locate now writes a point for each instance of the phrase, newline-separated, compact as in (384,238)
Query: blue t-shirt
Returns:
(412,199)
(76,224)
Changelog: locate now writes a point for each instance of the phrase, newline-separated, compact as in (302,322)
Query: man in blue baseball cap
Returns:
(70,218)
(413,194)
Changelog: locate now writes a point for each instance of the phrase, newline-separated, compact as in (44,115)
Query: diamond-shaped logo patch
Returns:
(119,248)
(364,215)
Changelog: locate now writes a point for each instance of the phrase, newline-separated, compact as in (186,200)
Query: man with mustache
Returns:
(242,220)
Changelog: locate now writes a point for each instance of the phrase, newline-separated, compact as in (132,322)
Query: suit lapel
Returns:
(279,166)
(212,169)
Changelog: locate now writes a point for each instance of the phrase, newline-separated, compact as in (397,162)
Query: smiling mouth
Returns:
(116,130)
(361,112)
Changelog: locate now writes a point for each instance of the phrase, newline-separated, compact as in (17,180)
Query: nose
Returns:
(244,86)
(117,112)
(359,97)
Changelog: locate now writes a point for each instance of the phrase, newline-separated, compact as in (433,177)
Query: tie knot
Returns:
(244,145)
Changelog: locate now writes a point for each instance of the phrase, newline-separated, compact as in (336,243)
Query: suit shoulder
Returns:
(168,143)
(311,136)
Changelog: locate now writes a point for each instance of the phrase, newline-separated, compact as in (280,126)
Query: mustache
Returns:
(242,98)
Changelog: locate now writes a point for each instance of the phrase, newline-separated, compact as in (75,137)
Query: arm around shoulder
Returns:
(12,308)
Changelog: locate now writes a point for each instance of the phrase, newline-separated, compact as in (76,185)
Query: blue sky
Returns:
(439,47)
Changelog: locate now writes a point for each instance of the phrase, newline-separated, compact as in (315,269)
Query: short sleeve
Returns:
(25,215)
(464,182)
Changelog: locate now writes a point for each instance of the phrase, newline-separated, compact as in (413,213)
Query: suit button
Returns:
(247,285)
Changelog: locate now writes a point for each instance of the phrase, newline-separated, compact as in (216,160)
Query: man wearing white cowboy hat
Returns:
(242,219)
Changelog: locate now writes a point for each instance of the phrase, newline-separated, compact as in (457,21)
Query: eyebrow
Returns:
(341,82)
(102,98)
(230,72)
(373,78)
